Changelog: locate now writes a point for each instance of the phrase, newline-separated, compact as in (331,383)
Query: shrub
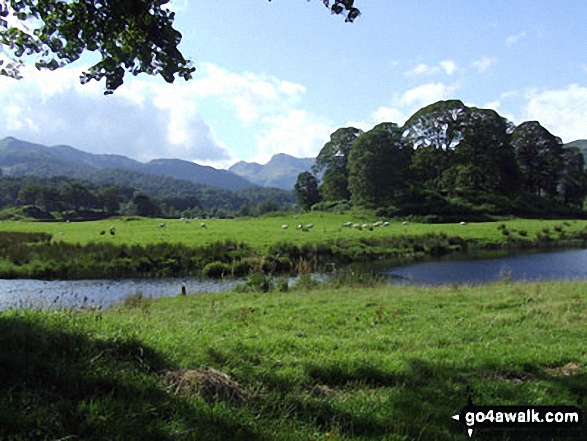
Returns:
(216,270)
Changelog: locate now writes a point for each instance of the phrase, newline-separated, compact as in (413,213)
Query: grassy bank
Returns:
(382,362)
(152,248)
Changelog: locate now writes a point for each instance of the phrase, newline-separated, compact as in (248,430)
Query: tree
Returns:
(131,36)
(379,166)
(143,205)
(539,155)
(434,132)
(76,196)
(110,199)
(306,189)
(573,183)
(484,156)
(333,160)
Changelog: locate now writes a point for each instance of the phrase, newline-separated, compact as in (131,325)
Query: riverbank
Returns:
(345,362)
(234,247)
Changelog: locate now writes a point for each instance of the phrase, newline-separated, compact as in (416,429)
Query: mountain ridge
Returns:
(19,157)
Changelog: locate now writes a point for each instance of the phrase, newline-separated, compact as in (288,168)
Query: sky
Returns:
(281,76)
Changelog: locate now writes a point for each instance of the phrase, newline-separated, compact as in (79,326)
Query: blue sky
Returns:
(280,76)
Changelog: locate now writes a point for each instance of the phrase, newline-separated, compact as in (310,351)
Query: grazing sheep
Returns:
(300,227)
(112,230)
(386,224)
(310,226)
(358,226)
(405,223)
(203,225)
(284,226)
(162,225)
(347,224)
(463,223)
(378,224)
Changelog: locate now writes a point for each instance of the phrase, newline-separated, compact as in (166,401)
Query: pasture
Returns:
(261,232)
(345,363)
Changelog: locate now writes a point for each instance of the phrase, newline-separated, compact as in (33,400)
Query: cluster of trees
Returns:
(444,152)
(75,197)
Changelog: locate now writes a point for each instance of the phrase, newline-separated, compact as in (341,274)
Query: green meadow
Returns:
(140,247)
(338,362)
(262,232)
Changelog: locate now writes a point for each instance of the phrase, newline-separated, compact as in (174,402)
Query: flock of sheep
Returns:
(367,226)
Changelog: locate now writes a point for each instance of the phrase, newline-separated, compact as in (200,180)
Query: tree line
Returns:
(71,198)
(448,158)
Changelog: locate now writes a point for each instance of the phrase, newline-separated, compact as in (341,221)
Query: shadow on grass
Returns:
(57,383)
(420,401)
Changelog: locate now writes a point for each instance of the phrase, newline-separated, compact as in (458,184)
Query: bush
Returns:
(216,270)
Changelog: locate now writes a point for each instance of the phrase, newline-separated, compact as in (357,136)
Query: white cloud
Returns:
(143,119)
(146,118)
(563,112)
(425,94)
(252,96)
(483,63)
(296,133)
(448,66)
(513,39)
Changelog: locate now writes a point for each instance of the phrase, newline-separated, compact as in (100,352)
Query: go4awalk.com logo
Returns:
(567,419)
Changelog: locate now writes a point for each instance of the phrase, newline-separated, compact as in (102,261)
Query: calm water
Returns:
(462,269)
(96,293)
(542,266)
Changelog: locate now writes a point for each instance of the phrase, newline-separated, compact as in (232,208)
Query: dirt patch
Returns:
(567,370)
(211,384)
(511,376)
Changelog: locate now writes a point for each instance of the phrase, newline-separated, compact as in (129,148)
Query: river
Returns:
(470,268)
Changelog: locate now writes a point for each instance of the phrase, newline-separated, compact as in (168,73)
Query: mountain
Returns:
(24,158)
(581,144)
(281,171)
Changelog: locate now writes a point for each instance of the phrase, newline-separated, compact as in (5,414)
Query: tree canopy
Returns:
(131,36)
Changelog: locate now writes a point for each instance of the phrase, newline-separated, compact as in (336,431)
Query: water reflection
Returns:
(475,269)
(97,293)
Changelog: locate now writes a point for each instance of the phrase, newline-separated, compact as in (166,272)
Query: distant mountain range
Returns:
(19,158)
(24,158)
(281,171)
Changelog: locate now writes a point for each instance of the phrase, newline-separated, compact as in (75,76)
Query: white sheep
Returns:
(284,226)
(162,225)
(386,224)
(463,223)
(347,224)
(310,226)
(358,226)
(405,223)
(203,225)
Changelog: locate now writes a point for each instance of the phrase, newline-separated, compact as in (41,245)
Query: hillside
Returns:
(19,158)
(281,171)
(581,144)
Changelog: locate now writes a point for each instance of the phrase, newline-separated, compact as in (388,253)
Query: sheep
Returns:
(162,225)
(203,225)
(284,226)
(310,226)
(405,223)
(358,226)
(112,230)
(347,224)
(300,227)
(378,224)
(463,223)
(386,224)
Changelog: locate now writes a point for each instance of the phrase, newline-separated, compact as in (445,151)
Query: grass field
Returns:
(383,362)
(262,232)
